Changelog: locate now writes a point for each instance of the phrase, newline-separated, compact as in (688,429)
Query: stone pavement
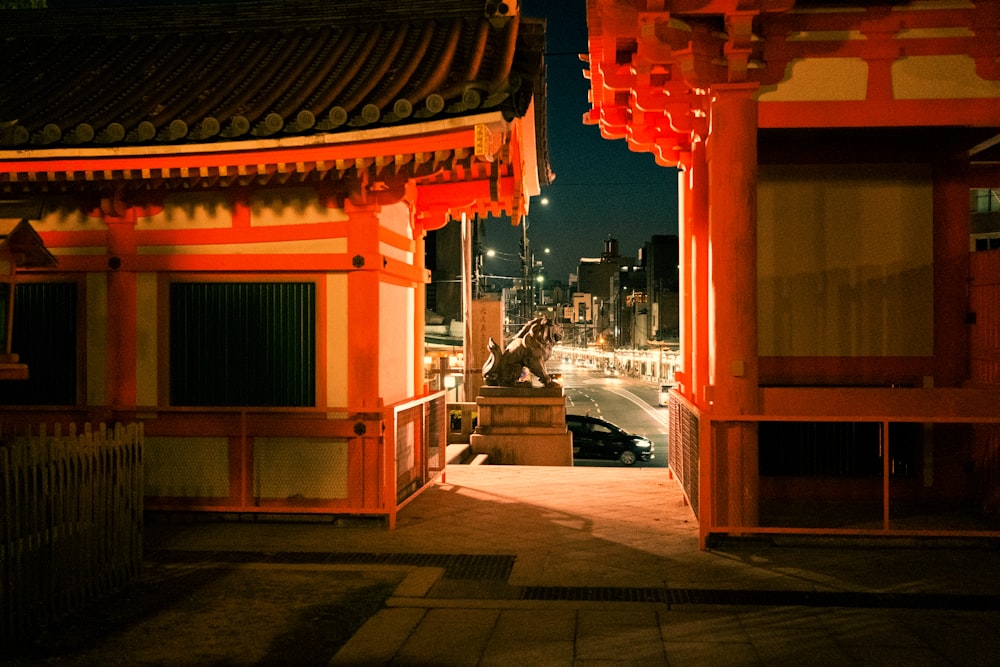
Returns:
(524,565)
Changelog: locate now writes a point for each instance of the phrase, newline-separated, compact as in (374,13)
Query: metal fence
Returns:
(70,521)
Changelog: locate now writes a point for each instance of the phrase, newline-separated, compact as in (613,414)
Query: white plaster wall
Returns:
(396,343)
(396,218)
(64,215)
(191,210)
(291,205)
(299,247)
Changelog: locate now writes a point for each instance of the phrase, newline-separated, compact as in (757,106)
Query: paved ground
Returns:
(540,566)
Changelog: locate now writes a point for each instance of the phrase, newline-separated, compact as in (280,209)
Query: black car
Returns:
(595,438)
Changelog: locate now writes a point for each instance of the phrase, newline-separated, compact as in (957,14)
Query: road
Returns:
(629,403)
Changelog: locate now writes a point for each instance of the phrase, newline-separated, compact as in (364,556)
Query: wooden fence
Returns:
(70,521)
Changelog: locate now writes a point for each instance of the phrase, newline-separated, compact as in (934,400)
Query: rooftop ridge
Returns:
(230,16)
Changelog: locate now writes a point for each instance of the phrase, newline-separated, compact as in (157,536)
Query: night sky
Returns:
(601,188)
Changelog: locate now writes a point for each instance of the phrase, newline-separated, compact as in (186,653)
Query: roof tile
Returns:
(209,73)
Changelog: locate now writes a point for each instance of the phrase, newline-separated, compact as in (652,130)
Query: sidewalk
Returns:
(512,565)
(560,566)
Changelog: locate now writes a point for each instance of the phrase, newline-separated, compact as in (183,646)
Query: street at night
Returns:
(627,402)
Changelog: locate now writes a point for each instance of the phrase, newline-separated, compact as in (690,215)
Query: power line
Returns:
(590,184)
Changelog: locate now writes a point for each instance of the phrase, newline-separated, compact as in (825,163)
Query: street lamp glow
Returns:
(507,256)
(540,279)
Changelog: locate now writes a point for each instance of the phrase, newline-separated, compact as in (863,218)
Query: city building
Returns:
(662,261)
(628,307)
(237,198)
(840,356)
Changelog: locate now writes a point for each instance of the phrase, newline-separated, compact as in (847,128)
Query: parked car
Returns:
(595,438)
(664,397)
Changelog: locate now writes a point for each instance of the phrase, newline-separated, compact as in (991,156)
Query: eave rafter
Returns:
(653,64)
(454,165)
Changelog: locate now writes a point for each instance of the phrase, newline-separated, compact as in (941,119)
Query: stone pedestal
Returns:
(523,426)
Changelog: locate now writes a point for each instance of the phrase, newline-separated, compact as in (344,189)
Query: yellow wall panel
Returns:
(845,261)
(336,340)
(294,468)
(97,339)
(146,331)
(820,79)
(186,467)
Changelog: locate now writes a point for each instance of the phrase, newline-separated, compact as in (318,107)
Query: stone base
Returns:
(524,450)
(521,392)
(523,426)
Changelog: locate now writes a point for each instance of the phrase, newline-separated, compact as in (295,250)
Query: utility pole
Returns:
(527,298)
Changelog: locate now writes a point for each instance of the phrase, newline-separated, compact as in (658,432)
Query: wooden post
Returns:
(699,273)
(122,301)
(732,227)
(951,273)
(363,312)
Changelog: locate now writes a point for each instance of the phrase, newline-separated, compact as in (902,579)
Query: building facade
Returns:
(839,356)
(237,197)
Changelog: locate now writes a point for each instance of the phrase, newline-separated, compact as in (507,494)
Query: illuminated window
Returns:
(985,200)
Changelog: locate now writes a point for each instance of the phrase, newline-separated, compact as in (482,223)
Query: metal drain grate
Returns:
(763,597)
(593,594)
(456,566)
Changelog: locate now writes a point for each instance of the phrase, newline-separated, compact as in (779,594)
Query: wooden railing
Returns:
(930,470)
(417,440)
(70,521)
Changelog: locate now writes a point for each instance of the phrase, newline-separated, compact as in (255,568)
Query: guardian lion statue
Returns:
(529,349)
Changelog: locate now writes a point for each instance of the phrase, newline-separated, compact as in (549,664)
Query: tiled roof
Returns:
(20,240)
(107,78)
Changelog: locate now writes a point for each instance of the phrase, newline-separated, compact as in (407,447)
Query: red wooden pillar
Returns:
(363,285)
(685,282)
(121,327)
(732,236)
(951,273)
(369,460)
(699,275)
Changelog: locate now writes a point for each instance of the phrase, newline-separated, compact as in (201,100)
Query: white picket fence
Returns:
(70,521)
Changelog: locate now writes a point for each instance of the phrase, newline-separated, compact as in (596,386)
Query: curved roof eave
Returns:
(413,131)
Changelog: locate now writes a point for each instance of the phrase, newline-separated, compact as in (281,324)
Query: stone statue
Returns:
(529,349)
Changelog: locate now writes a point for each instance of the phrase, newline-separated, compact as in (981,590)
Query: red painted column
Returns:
(686,281)
(699,275)
(951,273)
(369,460)
(733,364)
(122,303)
(363,286)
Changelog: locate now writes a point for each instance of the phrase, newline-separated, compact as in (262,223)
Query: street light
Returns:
(505,256)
